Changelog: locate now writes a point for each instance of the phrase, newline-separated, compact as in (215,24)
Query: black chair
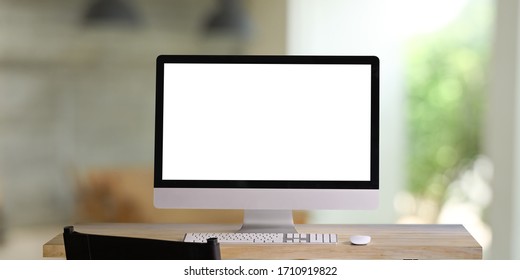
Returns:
(81,246)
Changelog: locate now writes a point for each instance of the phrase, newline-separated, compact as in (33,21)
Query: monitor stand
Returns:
(268,221)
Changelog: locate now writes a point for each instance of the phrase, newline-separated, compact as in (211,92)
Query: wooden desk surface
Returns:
(388,241)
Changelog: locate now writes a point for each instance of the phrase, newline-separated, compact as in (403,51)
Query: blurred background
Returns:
(77,89)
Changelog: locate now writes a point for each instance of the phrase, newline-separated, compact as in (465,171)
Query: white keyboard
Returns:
(263,238)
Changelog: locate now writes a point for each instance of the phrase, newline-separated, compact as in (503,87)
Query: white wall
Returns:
(349,27)
(503,132)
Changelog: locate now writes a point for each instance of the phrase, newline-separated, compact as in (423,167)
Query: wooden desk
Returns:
(388,241)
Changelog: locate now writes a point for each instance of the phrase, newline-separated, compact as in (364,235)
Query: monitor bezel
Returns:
(372,184)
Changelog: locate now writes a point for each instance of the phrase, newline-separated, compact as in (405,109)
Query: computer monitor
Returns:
(267,134)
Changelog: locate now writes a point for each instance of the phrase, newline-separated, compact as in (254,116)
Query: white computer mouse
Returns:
(360,239)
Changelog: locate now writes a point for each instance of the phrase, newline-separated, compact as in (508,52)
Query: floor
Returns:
(26,243)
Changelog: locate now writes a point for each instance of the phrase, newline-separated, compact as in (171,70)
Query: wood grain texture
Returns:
(388,241)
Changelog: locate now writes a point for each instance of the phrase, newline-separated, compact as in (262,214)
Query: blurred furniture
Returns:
(115,195)
(388,241)
(82,246)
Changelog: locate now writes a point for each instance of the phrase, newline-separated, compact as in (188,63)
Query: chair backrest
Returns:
(82,246)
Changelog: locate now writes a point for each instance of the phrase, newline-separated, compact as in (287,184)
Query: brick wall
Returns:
(73,97)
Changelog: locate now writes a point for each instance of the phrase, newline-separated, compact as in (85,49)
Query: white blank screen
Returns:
(266,122)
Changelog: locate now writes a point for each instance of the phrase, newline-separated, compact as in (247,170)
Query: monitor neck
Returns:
(268,221)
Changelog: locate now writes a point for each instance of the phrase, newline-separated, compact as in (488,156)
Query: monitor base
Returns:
(265,221)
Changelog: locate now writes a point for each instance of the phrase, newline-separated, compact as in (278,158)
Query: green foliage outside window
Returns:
(447,78)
